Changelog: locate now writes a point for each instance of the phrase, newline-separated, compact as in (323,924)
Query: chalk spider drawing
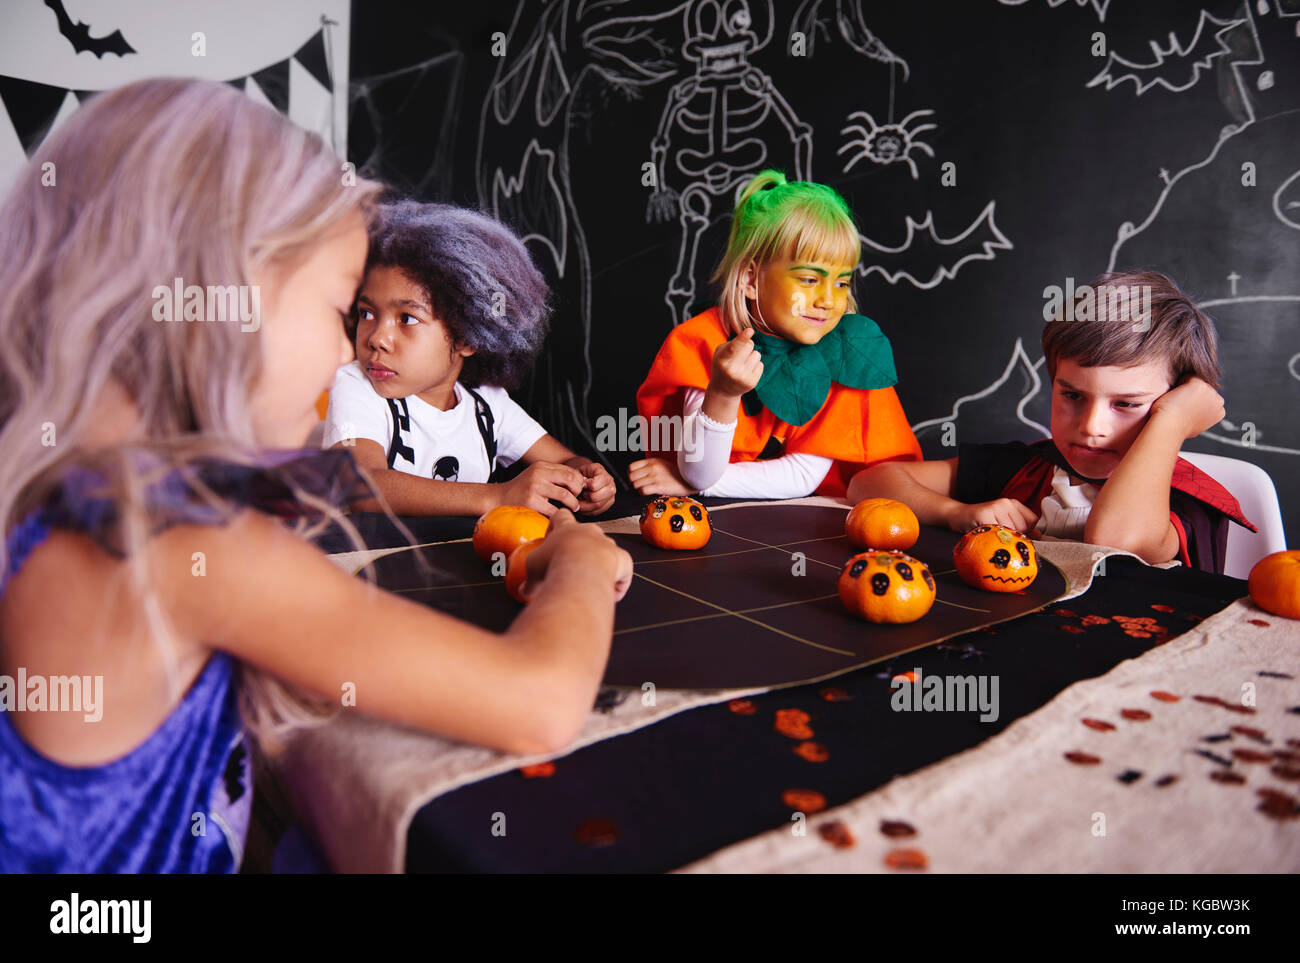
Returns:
(887,143)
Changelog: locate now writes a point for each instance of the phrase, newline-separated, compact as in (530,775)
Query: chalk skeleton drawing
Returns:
(716,129)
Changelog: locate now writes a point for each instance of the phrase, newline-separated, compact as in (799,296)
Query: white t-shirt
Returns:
(711,471)
(1066,509)
(431,443)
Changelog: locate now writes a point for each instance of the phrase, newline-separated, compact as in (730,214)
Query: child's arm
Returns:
(926,487)
(276,602)
(409,494)
(736,368)
(1132,509)
(597,489)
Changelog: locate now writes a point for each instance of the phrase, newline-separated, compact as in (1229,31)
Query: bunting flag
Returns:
(300,86)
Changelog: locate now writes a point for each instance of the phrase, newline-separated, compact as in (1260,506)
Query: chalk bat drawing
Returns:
(1176,67)
(887,143)
(926,258)
(78,35)
(1128,230)
(1018,363)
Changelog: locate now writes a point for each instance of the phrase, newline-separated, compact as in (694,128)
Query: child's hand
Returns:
(1194,406)
(657,476)
(538,483)
(737,366)
(1007,512)
(586,542)
(599,492)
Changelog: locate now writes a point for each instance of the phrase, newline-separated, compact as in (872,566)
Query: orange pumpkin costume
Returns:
(854,427)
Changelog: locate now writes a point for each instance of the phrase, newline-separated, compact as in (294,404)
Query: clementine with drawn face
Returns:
(1097,413)
(800,301)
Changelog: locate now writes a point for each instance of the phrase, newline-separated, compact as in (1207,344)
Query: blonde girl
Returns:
(782,389)
(141,555)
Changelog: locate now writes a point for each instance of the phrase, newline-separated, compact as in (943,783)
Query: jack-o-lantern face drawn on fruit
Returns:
(886,587)
(676,522)
(996,559)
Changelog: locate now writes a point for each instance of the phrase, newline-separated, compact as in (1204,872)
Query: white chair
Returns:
(1254,491)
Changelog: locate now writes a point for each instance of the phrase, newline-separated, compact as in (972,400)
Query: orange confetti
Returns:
(804,800)
(834,694)
(541,770)
(1164,696)
(906,859)
(1135,715)
(1095,620)
(836,833)
(1072,629)
(908,676)
(742,707)
(1162,608)
(793,723)
(812,751)
(1083,758)
(1101,725)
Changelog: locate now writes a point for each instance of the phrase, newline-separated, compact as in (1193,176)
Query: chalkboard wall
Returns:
(989,150)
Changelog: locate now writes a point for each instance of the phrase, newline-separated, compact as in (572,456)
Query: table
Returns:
(716,786)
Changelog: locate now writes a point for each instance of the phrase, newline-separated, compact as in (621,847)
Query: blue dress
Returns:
(180,801)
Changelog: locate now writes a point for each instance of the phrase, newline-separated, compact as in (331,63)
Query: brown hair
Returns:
(1130,318)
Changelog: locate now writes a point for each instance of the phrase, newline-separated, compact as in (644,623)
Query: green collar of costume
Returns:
(797,377)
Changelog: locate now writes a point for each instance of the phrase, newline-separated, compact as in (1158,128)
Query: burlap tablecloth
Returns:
(1015,803)
(357,783)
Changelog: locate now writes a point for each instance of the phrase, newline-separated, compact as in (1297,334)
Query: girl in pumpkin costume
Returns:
(782,390)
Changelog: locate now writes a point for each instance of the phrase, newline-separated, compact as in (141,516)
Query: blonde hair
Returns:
(776,218)
(155,180)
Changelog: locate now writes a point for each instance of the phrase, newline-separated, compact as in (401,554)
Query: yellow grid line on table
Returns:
(726,611)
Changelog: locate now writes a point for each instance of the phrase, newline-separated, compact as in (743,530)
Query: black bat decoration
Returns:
(78,35)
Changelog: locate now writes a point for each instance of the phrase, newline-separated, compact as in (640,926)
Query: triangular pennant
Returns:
(66,110)
(254,90)
(85,95)
(312,56)
(274,81)
(12,155)
(32,108)
(311,106)
(237,82)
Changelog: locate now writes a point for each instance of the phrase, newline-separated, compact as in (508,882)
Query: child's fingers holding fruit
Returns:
(586,543)
(1195,405)
(1007,512)
(737,365)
